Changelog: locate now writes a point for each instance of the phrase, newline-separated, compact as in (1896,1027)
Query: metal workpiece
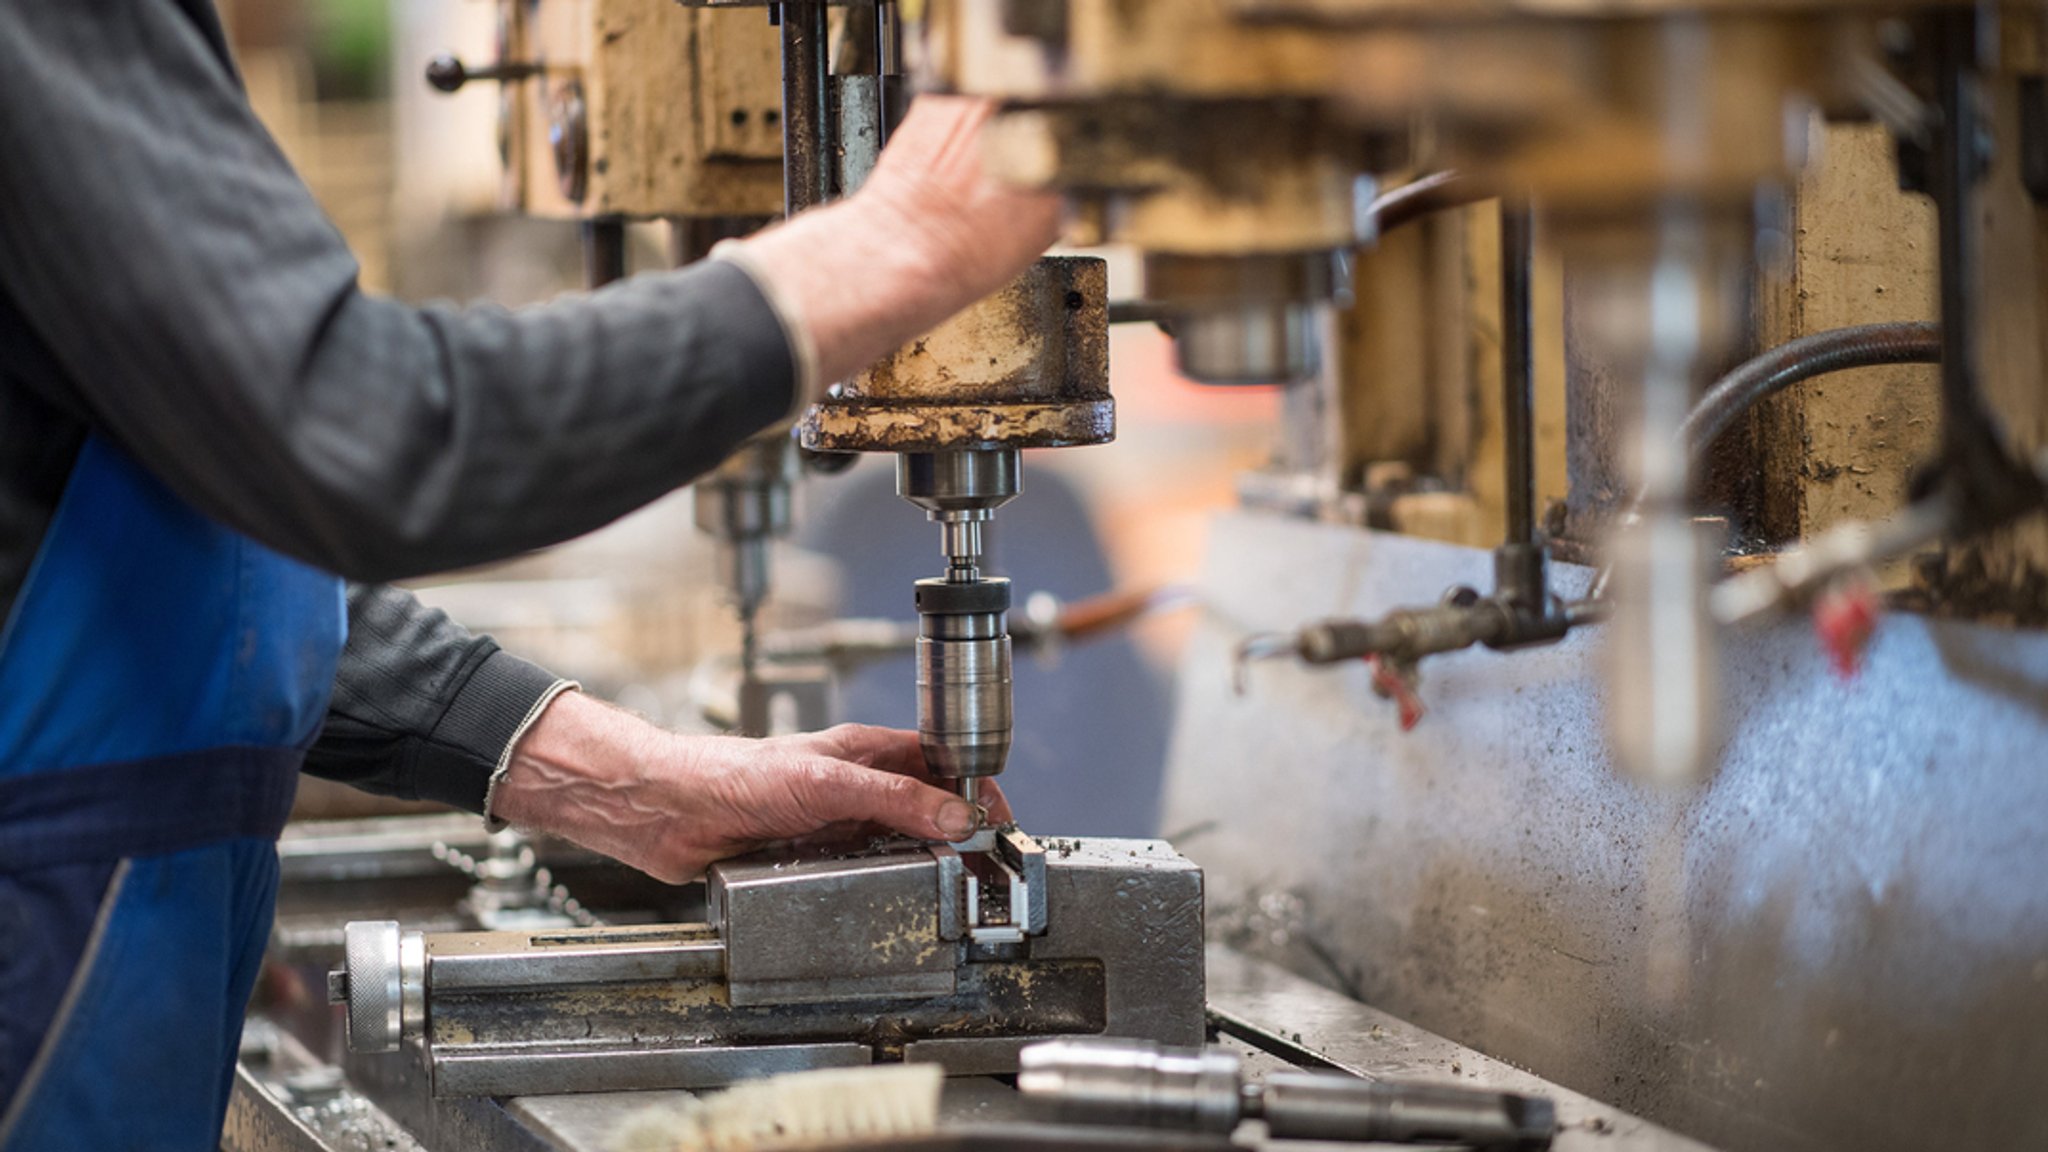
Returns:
(1027,367)
(1328,1106)
(1136,1085)
(812,958)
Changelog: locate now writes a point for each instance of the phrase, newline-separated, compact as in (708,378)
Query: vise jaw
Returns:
(957,955)
(887,923)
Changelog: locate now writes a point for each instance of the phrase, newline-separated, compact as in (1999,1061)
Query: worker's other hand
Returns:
(979,232)
(671,804)
(929,233)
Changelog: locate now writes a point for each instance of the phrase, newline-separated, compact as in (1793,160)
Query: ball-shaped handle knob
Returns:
(446,73)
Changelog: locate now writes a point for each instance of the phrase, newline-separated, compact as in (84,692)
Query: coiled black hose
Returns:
(1838,349)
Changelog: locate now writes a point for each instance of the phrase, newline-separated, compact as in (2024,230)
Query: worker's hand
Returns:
(978,232)
(930,233)
(671,804)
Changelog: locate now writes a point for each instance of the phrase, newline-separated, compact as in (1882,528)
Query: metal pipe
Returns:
(1956,168)
(889,99)
(1422,197)
(1518,386)
(805,69)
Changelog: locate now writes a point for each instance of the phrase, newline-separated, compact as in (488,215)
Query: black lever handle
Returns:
(447,73)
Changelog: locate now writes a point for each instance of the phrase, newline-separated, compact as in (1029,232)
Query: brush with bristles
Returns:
(798,1110)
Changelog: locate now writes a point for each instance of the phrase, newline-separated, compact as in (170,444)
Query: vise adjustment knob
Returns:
(383,982)
(447,73)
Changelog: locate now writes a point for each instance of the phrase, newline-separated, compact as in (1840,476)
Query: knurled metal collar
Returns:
(375,986)
(940,597)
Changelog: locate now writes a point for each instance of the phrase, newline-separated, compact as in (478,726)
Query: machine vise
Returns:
(810,958)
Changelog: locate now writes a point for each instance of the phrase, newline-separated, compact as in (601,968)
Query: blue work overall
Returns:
(160,679)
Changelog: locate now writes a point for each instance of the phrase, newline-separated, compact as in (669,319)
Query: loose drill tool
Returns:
(1134,1084)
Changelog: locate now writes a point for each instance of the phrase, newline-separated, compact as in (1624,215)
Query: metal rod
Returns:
(1518,385)
(1421,198)
(806,67)
(888,34)
(604,250)
(1956,167)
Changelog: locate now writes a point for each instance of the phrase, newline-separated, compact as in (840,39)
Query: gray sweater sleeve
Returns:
(422,709)
(208,316)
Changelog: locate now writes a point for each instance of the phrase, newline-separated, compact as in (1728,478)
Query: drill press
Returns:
(1026,368)
(963,643)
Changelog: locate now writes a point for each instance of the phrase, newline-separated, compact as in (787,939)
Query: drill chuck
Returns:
(963,676)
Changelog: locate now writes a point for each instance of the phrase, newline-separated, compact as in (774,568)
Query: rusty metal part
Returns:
(1215,178)
(806,147)
(1025,368)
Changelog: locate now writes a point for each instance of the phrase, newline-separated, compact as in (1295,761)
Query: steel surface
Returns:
(1274,1010)
(1840,942)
